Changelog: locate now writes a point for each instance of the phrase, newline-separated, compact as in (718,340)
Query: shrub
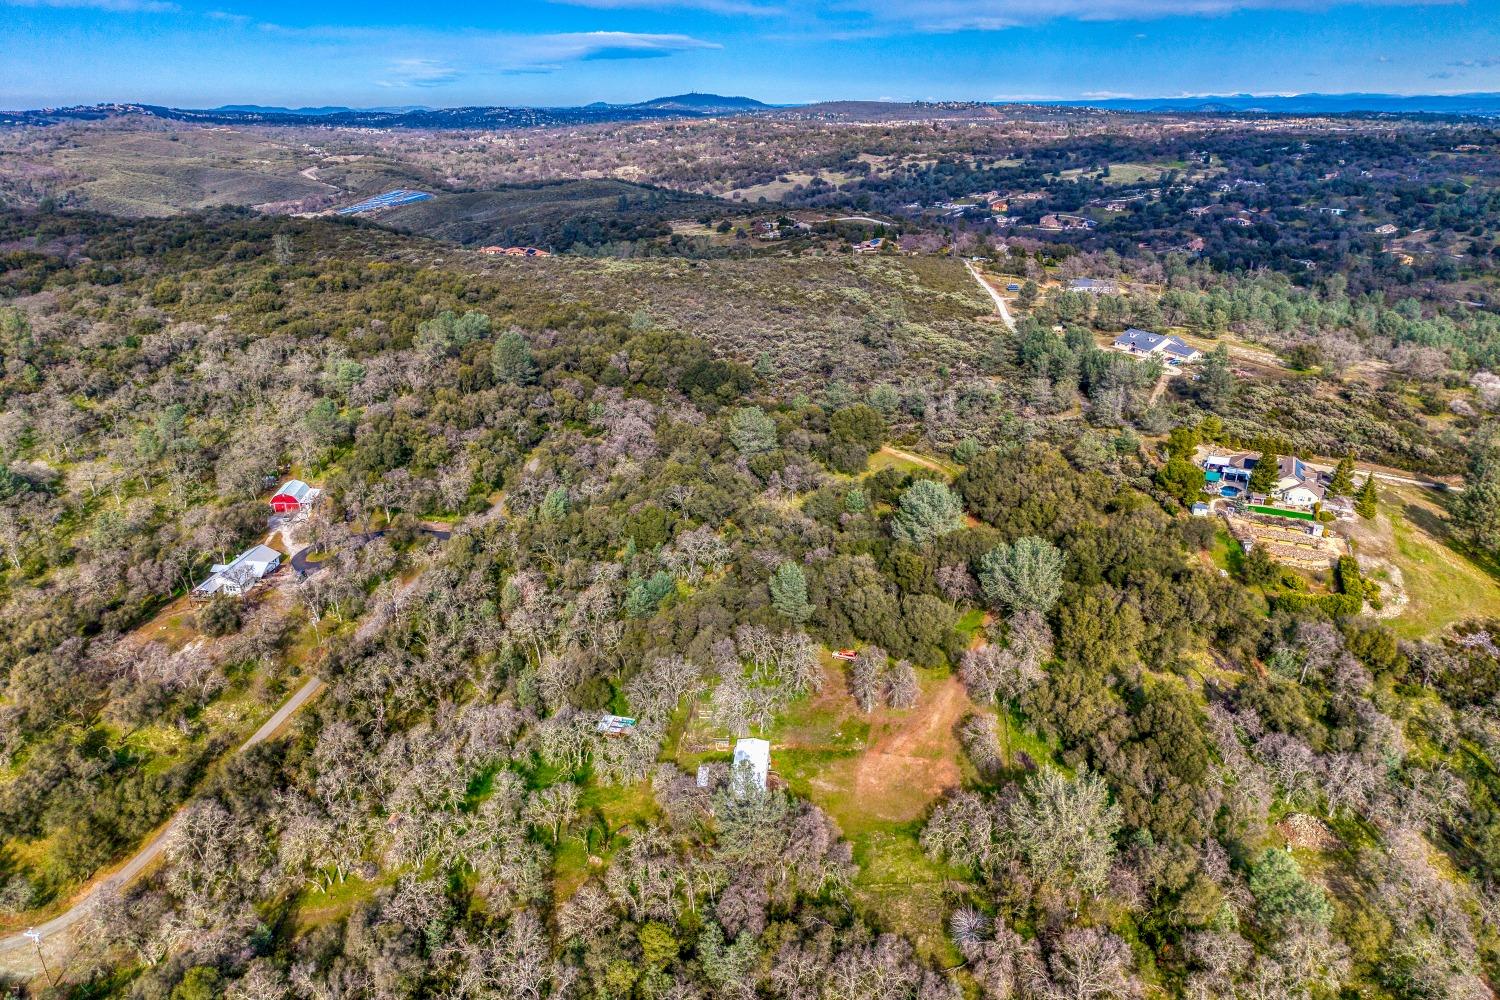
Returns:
(220,616)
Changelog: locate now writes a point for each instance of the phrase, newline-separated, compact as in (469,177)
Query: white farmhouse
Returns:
(236,578)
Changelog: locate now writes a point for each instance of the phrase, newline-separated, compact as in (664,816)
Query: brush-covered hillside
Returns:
(588,530)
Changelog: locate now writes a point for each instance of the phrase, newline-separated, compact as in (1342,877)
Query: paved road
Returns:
(18,953)
(305,568)
(995,296)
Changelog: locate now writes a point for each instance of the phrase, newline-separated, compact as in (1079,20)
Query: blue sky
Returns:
(558,52)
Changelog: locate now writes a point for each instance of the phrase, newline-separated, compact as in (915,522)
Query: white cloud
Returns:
(420,73)
(727,7)
(114,6)
(607,45)
(409,58)
(991,15)
(856,19)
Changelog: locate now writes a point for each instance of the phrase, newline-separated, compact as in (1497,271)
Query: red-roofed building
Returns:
(293,496)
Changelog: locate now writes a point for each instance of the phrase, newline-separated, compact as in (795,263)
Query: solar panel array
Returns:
(388,200)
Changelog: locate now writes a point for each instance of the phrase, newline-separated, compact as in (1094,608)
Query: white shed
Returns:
(752,762)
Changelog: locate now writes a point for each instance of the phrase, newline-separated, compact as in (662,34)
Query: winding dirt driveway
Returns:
(305,568)
(18,953)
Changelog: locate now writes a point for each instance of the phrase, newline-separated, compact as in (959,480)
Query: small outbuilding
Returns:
(752,763)
(615,725)
(293,496)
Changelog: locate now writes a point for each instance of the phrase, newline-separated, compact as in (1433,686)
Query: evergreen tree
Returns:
(1365,502)
(644,594)
(1476,513)
(511,360)
(1283,896)
(1342,483)
(751,431)
(1266,472)
(1476,510)
(1025,576)
(927,510)
(1182,443)
(789,593)
(1029,294)
(1216,379)
(556,505)
(1182,479)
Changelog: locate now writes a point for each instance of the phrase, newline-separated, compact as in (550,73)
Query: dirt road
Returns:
(1000,306)
(916,459)
(18,953)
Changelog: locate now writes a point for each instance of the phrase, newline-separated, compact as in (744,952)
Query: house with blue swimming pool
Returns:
(1298,486)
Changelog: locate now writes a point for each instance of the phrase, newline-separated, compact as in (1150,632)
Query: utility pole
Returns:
(35,937)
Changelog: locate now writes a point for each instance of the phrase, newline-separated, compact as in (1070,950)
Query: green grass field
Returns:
(1444,586)
(1296,515)
(1410,548)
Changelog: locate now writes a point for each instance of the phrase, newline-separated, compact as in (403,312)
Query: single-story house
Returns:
(869,246)
(1201,509)
(1143,342)
(293,495)
(235,578)
(1386,230)
(752,763)
(1093,286)
(615,725)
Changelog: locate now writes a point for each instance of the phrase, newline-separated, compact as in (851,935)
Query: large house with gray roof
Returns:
(1144,343)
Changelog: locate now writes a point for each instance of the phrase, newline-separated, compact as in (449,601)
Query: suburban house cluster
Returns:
(1298,485)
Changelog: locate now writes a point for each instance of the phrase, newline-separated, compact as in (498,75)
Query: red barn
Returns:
(293,496)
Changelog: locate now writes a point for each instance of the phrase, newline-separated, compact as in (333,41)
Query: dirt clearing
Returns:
(913,758)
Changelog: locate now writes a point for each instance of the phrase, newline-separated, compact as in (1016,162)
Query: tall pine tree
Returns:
(789,593)
(1267,471)
(1365,504)
(1342,483)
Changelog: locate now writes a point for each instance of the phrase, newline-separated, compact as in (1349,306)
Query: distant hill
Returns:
(261,109)
(707,103)
(696,105)
(685,106)
(1302,104)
